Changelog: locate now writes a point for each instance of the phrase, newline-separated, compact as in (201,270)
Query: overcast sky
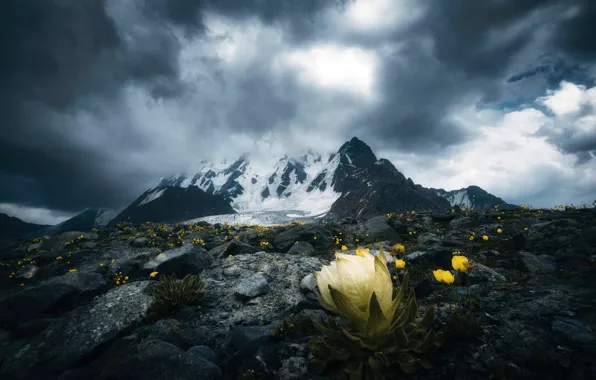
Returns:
(99,99)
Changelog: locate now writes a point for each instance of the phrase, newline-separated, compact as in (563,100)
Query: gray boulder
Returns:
(188,259)
(315,235)
(233,247)
(48,297)
(378,228)
(80,332)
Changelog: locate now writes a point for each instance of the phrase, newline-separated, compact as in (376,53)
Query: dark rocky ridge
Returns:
(12,227)
(175,204)
(532,292)
(371,187)
(479,198)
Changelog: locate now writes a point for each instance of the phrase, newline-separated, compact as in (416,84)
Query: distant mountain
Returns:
(372,187)
(473,197)
(171,204)
(351,182)
(83,221)
(13,228)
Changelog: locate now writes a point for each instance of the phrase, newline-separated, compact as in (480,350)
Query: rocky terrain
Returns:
(79,305)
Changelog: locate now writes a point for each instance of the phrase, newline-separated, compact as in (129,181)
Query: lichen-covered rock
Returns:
(378,228)
(301,248)
(221,311)
(536,264)
(80,332)
(548,237)
(149,359)
(252,286)
(48,297)
(315,235)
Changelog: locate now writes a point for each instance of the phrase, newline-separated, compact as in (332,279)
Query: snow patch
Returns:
(153,195)
(261,218)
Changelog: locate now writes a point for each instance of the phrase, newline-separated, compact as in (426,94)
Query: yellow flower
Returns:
(484,237)
(525,228)
(361,251)
(499,230)
(153,274)
(413,212)
(471,238)
(347,284)
(461,263)
(72,270)
(344,248)
(400,264)
(444,276)
(399,248)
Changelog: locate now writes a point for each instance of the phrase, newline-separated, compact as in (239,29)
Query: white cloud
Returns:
(35,215)
(380,15)
(338,67)
(568,99)
(509,159)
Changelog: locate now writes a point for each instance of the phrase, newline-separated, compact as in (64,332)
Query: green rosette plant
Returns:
(381,330)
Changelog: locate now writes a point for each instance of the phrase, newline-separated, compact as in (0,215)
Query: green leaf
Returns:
(407,362)
(426,343)
(360,341)
(377,322)
(346,308)
(375,364)
(401,340)
(428,318)
(325,330)
(354,371)
(341,354)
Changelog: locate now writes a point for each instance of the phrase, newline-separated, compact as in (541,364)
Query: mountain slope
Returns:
(12,227)
(84,221)
(169,204)
(372,187)
(288,186)
(473,197)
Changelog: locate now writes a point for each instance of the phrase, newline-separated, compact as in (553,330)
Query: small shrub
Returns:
(172,293)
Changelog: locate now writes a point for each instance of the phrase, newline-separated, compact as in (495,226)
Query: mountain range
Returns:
(351,182)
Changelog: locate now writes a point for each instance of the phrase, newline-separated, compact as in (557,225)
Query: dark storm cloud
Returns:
(568,135)
(466,48)
(258,93)
(62,58)
(576,37)
(298,16)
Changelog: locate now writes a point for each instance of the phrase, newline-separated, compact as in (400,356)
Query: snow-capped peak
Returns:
(298,182)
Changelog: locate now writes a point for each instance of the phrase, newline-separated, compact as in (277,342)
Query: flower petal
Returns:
(327,276)
(356,276)
(382,285)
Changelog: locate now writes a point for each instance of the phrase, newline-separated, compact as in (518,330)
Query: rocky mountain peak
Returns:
(357,153)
